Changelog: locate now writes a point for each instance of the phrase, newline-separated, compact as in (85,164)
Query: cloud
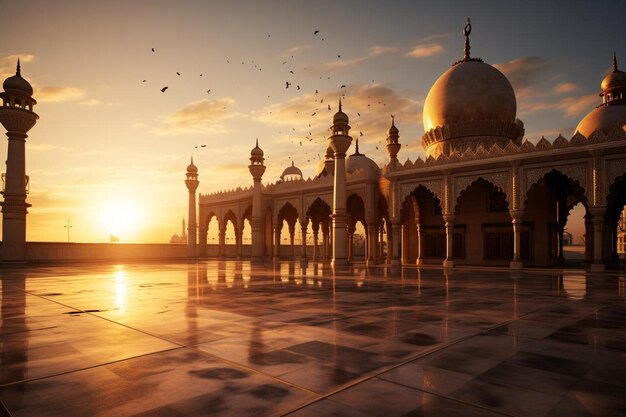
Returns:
(525,73)
(425,50)
(564,88)
(201,116)
(8,63)
(57,94)
(337,64)
(569,106)
(295,49)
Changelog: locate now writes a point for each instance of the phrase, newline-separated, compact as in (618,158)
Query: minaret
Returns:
(184,235)
(192,185)
(257,169)
(340,141)
(393,146)
(17,117)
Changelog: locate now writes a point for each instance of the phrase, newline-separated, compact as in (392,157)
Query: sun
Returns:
(120,217)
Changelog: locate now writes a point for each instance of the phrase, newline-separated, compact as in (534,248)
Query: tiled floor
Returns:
(222,338)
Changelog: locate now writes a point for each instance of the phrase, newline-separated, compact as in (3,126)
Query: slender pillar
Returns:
(448,262)
(238,241)
(325,239)
(316,227)
(222,242)
(292,239)
(598,223)
(396,243)
(381,246)
(277,230)
(420,246)
(17,117)
(517,263)
(202,235)
(350,245)
(304,225)
(371,237)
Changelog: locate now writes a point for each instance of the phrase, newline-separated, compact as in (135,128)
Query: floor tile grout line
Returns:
(420,355)
(39,378)
(456,400)
(181,345)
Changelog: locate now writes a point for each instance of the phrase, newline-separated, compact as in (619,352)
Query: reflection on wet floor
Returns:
(230,338)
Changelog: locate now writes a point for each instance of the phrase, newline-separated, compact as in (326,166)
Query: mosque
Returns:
(482,196)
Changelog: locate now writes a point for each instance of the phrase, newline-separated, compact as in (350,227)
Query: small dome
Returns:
(361,162)
(340,118)
(469,91)
(256,151)
(393,130)
(603,118)
(616,79)
(17,85)
(320,168)
(330,153)
(291,171)
(191,168)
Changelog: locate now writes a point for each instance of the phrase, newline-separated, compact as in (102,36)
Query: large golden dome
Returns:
(469,91)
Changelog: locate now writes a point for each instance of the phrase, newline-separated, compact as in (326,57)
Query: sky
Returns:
(110,149)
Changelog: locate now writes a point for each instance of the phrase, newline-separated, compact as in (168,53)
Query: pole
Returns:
(68,227)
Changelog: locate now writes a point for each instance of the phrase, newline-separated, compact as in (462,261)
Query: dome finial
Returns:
(614,62)
(339,103)
(18,71)
(466,32)
(393,120)
(191,159)
(356,151)
(257,142)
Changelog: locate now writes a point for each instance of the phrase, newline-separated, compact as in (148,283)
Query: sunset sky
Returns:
(109,143)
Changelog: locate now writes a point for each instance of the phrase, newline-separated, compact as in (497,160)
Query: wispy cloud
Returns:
(525,73)
(565,88)
(425,50)
(9,62)
(337,64)
(40,147)
(57,94)
(569,106)
(199,117)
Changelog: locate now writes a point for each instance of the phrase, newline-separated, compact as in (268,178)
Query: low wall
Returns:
(84,252)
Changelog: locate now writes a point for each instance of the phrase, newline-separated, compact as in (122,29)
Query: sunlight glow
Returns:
(120,217)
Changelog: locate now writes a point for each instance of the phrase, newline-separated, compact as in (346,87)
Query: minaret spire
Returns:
(466,32)
(339,103)
(614,62)
(18,70)
(257,142)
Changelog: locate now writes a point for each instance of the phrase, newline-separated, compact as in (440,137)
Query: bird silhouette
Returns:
(287,84)
(163,89)
(343,86)
(152,49)
(316,32)
(144,81)
(208,91)
(298,87)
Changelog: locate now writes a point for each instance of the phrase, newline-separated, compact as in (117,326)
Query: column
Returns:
(405,244)
(371,237)
(420,246)
(222,242)
(325,241)
(256,222)
(517,263)
(191,225)
(395,242)
(448,262)
(203,232)
(292,239)
(381,247)
(316,228)
(238,240)
(350,243)
(598,223)
(277,229)
(304,225)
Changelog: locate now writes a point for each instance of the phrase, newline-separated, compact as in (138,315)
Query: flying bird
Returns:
(208,91)
(316,32)
(287,84)
(163,89)
(343,86)
(291,71)
(152,49)
(298,87)
(203,146)
(178,73)
(144,81)
(338,56)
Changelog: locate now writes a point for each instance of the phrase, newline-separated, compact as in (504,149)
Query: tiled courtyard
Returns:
(227,339)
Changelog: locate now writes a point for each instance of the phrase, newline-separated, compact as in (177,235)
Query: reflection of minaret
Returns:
(193,297)
(14,355)
(184,235)
(192,185)
(17,117)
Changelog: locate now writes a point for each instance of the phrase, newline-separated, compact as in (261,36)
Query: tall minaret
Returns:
(17,117)
(184,235)
(257,169)
(192,185)
(393,146)
(340,141)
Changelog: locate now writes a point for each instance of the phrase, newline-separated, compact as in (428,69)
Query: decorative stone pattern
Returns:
(577,172)
(435,186)
(502,180)
(615,168)
(310,199)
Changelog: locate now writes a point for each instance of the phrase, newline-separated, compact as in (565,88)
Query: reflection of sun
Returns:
(119,217)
